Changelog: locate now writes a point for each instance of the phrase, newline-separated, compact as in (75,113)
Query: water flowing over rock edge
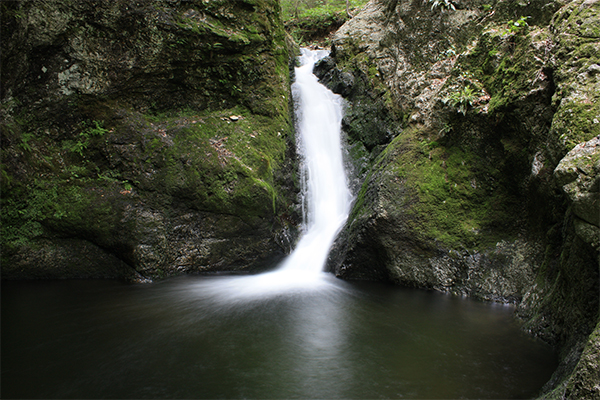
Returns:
(326,198)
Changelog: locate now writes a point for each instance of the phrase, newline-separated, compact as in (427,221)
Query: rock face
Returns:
(579,175)
(120,157)
(476,167)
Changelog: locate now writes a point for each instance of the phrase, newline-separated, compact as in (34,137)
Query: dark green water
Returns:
(104,339)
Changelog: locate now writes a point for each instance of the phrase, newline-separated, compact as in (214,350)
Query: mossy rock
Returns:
(135,115)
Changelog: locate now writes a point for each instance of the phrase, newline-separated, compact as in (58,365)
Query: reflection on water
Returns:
(180,339)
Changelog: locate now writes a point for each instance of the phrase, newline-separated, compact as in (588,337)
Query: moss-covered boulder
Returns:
(152,137)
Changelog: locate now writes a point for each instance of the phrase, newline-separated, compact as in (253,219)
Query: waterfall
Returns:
(326,196)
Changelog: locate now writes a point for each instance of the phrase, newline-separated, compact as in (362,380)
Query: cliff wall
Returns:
(145,139)
(473,134)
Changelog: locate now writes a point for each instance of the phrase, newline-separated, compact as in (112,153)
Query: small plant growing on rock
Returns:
(84,137)
(518,26)
(445,129)
(442,5)
(461,100)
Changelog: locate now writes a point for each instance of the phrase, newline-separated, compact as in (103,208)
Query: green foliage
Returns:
(96,129)
(461,100)
(25,138)
(445,129)
(18,228)
(51,202)
(447,54)
(518,26)
(311,21)
(294,9)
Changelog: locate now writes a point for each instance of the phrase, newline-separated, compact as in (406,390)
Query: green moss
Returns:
(455,201)
(69,206)
(222,165)
(576,122)
(505,62)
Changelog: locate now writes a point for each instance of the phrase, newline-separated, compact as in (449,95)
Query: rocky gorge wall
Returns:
(473,136)
(145,139)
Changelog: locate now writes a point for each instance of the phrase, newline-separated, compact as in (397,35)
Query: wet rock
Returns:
(339,82)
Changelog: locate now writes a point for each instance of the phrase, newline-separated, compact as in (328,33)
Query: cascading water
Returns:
(319,114)
(327,198)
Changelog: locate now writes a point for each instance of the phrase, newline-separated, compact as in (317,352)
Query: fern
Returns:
(462,100)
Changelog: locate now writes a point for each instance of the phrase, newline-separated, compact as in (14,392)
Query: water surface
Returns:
(179,339)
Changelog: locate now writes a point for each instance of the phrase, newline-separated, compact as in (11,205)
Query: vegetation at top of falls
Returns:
(310,22)
(310,8)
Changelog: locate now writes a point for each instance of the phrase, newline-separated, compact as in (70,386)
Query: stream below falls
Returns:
(175,339)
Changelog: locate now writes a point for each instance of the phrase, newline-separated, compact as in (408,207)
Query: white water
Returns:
(319,114)
(327,198)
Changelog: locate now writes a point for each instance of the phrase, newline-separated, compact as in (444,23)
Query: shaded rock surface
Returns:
(579,175)
(118,145)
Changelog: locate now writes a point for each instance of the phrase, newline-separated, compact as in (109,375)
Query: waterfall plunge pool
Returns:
(292,333)
(177,339)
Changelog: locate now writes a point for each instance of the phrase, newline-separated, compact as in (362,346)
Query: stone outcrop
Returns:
(477,167)
(579,175)
(145,139)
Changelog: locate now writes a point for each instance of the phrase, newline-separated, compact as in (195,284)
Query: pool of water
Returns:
(178,339)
